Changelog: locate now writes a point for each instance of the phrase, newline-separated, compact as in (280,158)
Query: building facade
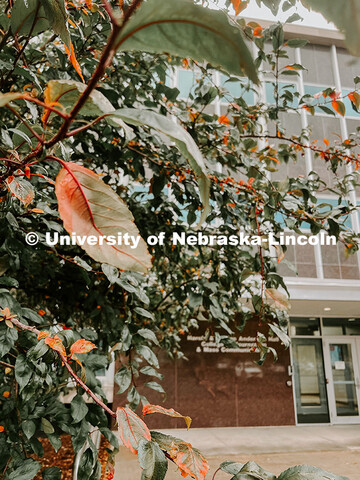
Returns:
(317,380)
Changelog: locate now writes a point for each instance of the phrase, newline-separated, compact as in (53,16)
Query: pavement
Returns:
(333,448)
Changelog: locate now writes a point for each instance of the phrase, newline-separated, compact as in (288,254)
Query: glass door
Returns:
(342,372)
(309,379)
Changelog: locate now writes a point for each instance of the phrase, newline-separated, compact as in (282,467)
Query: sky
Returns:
(310,19)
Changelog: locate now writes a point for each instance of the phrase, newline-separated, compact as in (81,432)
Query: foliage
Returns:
(119,163)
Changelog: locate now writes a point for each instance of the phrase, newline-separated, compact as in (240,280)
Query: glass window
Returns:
(302,257)
(317,61)
(349,67)
(341,326)
(336,265)
(304,326)
(186,82)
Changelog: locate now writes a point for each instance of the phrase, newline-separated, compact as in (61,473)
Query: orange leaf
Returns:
(258,31)
(74,62)
(326,141)
(82,346)
(187,458)
(56,344)
(147,409)
(239,5)
(131,428)
(43,334)
(339,107)
(354,97)
(223,120)
(92,210)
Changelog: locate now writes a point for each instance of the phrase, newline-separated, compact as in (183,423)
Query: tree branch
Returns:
(97,400)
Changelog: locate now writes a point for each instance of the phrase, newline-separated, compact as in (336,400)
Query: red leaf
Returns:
(92,210)
(147,409)
(131,428)
(187,458)
(82,346)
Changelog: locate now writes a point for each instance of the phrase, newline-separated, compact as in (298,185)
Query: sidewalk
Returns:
(333,448)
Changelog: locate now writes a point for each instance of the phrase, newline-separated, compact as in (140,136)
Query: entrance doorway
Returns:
(310,382)
(326,369)
(342,356)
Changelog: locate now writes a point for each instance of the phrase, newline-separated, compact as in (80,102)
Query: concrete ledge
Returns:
(261,440)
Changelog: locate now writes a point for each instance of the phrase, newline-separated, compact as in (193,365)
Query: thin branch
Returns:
(29,127)
(85,127)
(7,365)
(44,105)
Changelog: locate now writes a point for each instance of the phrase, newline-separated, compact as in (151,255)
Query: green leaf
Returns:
(147,370)
(281,334)
(123,379)
(55,12)
(148,354)
(155,386)
(29,428)
(27,16)
(345,14)
(152,460)
(256,470)
(22,372)
(51,473)
(26,471)
(67,93)
(47,426)
(183,29)
(149,335)
(79,409)
(296,43)
(306,472)
(183,141)
(231,467)
(326,109)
